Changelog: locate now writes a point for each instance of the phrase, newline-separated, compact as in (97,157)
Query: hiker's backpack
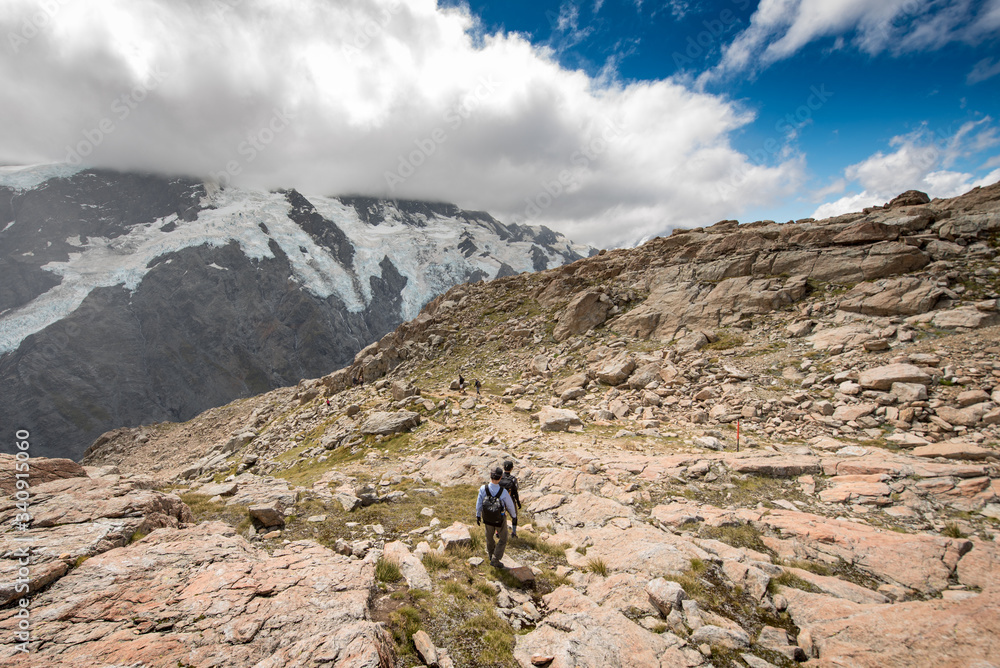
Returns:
(509,483)
(493,508)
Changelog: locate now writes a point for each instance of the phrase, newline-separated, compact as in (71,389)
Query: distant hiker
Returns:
(327,402)
(461,383)
(509,483)
(479,386)
(491,505)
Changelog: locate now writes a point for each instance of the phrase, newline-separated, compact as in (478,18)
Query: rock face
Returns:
(41,471)
(583,313)
(79,517)
(204,596)
(190,297)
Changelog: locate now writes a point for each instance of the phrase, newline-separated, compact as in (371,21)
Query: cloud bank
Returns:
(378,97)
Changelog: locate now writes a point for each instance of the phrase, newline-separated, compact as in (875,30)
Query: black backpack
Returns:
(493,508)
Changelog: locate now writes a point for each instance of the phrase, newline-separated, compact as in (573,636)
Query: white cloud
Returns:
(780,28)
(983,70)
(921,161)
(331,97)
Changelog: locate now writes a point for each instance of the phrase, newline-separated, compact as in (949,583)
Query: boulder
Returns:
(717,635)
(584,312)
(386,423)
(269,515)
(402,389)
(908,198)
(882,378)
(557,419)
(409,565)
(965,318)
(964,417)
(666,595)
(455,536)
(907,392)
(616,371)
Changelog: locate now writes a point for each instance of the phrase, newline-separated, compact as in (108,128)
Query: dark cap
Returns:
(508,465)
(497,474)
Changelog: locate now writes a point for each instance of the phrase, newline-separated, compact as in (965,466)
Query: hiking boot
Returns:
(496,564)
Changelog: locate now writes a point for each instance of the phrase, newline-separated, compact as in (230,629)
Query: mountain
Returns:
(130,298)
(739,445)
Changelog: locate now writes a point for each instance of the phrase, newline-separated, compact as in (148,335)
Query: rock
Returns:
(849,336)
(882,378)
(616,371)
(457,535)
(597,637)
(584,312)
(539,365)
(965,318)
(965,417)
(205,596)
(908,198)
(78,517)
(853,412)
(692,342)
(401,389)
(724,637)
(385,424)
(644,375)
(904,295)
(954,451)
(866,232)
(557,419)
(577,380)
(410,566)
(709,442)
(797,330)
(970,397)
(270,515)
(907,392)
(219,489)
(665,595)
(916,633)
(776,640)
(777,467)
(42,470)
(425,648)
(523,405)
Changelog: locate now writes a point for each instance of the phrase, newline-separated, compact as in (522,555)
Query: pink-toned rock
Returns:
(409,565)
(917,561)
(584,312)
(853,411)
(782,466)
(980,567)
(205,596)
(882,378)
(970,397)
(666,595)
(598,638)
(837,587)
(918,633)
(866,490)
(639,549)
(962,417)
(40,470)
(954,451)
(79,517)
(625,592)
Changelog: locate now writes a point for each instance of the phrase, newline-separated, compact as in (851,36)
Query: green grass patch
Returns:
(744,535)
(952,530)
(597,566)
(387,571)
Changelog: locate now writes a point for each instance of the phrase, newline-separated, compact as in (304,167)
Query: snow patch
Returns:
(26,177)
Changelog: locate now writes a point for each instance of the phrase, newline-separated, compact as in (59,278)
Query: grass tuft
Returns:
(597,566)
(387,571)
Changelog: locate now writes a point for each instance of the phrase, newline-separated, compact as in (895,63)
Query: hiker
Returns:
(509,483)
(492,503)
(461,383)
(479,386)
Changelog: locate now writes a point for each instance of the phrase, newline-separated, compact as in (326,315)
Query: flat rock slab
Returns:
(384,423)
(918,633)
(409,565)
(776,467)
(882,378)
(917,561)
(954,451)
(41,470)
(598,637)
(79,517)
(204,596)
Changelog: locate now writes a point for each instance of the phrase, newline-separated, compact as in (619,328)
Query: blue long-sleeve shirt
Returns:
(508,503)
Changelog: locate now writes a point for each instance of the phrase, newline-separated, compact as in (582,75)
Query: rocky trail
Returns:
(853,523)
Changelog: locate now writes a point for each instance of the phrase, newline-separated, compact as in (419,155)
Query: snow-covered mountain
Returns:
(129,298)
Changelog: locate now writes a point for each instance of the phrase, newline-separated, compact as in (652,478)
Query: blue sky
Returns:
(834,100)
(609,120)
